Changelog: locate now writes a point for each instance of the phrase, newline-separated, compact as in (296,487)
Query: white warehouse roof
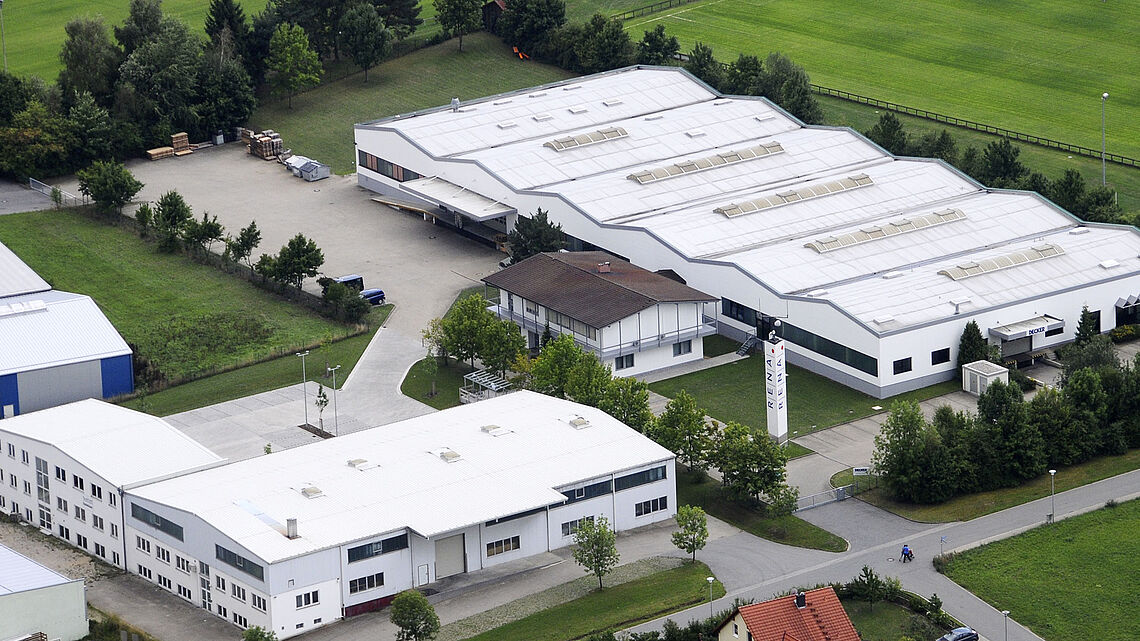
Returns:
(119,444)
(510,454)
(762,214)
(16,277)
(18,573)
(52,328)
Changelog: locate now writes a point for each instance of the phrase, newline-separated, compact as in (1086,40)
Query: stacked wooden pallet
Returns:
(267,144)
(159,153)
(180,142)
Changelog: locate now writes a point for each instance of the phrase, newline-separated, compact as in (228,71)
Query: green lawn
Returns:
(971,506)
(1038,67)
(728,393)
(717,345)
(264,376)
(188,319)
(34,28)
(1051,162)
(1071,581)
(614,608)
(320,123)
(885,621)
(789,530)
(448,380)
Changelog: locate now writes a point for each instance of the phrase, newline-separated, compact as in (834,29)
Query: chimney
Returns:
(455,104)
(604,268)
(801,600)
(291,528)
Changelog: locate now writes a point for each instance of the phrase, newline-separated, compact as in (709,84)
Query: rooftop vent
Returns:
(579,422)
(311,492)
(892,274)
(582,140)
(1077,231)
(542,117)
(455,104)
(22,308)
(361,464)
(505,101)
(291,528)
(709,162)
(507,124)
(958,302)
(449,455)
(765,117)
(817,293)
(655,117)
(695,133)
(612,103)
(1109,264)
(537,94)
(721,102)
(495,430)
(807,192)
(801,600)
(884,319)
(571,87)
(604,268)
(577,109)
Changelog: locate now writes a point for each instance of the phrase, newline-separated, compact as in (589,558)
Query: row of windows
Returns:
(369,582)
(623,362)
(512,517)
(830,349)
(376,548)
(150,518)
(570,527)
(600,488)
(649,507)
(308,598)
(505,545)
(682,348)
(575,326)
(735,310)
(240,562)
(60,474)
(639,478)
(391,170)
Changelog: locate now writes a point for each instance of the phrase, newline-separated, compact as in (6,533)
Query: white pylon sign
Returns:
(776,389)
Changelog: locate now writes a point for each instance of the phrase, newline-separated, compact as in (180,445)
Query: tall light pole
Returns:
(1005,613)
(1103,147)
(1052,497)
(336,424)
(710,580)
(3,37)
(304,384)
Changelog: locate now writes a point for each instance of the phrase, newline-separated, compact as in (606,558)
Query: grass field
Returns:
(789,530)
(1037,67)
(320,123)
(885,621)
(728,393)
(187,318)
(1070,581)
(262,377)
(614,608)
(1051,162)
(971,506)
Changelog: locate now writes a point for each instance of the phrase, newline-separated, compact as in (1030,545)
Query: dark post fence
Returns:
(976,126)
(650,8)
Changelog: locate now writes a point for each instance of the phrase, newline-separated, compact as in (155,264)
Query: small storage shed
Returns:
(294,163)
(481,385)
(314,170)
(977,376)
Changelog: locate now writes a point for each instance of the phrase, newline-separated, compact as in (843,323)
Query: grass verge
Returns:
(717,345)
(188,319)
(1070,581)
(886,621)
(728,393)
(614,608)
(448,379)
(971,506)
(264,376)
(320,123)
(705,492)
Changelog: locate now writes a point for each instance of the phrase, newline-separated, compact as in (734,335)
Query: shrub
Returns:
(1125,333)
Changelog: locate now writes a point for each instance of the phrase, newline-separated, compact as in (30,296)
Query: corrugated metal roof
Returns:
(119,444)
(18,573)
(570,283)
(405,483)
(17,278)
(53,328)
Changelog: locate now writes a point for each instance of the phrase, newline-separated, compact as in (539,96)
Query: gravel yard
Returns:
(53,553)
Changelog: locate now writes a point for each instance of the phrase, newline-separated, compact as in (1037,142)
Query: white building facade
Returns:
(37,600)
(873,264)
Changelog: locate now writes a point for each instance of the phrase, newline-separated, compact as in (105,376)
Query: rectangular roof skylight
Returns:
(708,162)
(581,140)
(987,265)
(803,193)
(893,228)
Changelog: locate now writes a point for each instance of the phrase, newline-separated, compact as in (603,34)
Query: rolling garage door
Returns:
(449,557)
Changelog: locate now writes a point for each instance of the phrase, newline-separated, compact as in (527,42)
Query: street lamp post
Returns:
(304,384)
(336,423)
(710,580)
(3,36)
(1103,147)
(1005,613)
(1052,497)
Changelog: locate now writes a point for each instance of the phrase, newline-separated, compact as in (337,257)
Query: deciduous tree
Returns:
(204,233)
(459,17)
(550,372)
(595,547)
(298,259)
(500,344)
(110,184)
(171,216)
(90,61)
(682,429)
(465,326)
(744,76)
(657,48)
(526,23)
(703,65)
(588,380)
(241,248)
(692,529)
(788,85)
(365,37)
(225,90)
(294,64)
(414,617)
(627,400)
(750,462)
(604,45)
(402,17)
(142,25)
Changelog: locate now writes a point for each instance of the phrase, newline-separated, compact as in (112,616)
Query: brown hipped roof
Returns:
(570,283)
(822,619)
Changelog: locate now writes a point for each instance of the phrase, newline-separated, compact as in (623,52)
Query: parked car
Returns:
(355,281)
(374,296)
(960,634)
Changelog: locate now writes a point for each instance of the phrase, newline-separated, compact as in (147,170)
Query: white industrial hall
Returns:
(872,264)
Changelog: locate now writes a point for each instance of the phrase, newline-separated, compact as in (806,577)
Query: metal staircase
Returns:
(748,345)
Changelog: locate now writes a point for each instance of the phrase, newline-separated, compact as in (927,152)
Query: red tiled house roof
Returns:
(821,619)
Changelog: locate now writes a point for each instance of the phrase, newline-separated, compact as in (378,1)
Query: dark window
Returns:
(1061,330)
(239,562)
(590,491)
(156,521)
(1096,320)
(381,166)
(506,545)
(639,478)
(622,362)
(649,507)
(366,583)
(739,312)
(902,366)
(940,356)
(830,349)
(512,517)
(377,548)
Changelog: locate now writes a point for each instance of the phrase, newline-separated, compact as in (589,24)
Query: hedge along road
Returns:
(1039,77)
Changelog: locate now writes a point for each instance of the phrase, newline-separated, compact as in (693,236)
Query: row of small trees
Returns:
(999,165)
(1009,440)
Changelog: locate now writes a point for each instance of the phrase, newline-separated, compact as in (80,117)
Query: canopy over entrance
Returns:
(1026,328)
(455,198)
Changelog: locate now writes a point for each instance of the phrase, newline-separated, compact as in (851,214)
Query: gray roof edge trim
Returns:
(368,124)
(173,475)
(1010,304)
(120,351)
(1076,219)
